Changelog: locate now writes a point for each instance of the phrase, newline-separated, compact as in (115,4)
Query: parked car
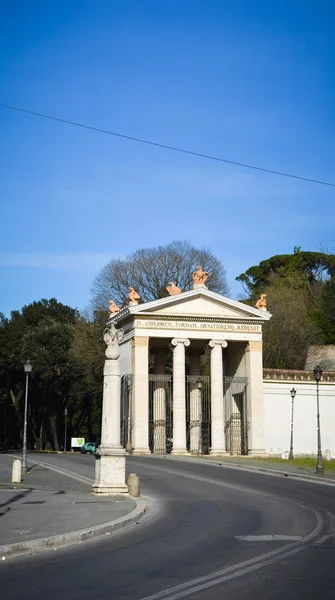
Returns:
(88,448)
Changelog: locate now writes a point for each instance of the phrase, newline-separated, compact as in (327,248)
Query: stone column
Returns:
(159,406)
(140,398)
(110,462)
(179,397)
(195,403)
(255,401)
(217,410)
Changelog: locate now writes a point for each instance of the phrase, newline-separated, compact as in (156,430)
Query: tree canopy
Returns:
(313,266)
(300,290)
(43,332)
(149,270)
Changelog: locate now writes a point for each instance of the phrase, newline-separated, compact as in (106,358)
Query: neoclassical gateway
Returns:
(191,373)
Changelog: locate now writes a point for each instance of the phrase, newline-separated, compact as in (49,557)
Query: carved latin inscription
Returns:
(198,325)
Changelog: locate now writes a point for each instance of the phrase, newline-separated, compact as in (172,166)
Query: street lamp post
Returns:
(293,393)
(319,465)
(27,366)
(200,452)
(65,428)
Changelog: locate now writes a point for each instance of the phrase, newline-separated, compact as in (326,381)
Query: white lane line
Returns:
(269,538)
(191,587)
(238,570)
(59,470)
(324,538)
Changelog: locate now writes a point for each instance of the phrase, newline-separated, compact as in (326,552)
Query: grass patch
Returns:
(304,464)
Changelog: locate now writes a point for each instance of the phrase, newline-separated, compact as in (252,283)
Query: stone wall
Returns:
(277,411)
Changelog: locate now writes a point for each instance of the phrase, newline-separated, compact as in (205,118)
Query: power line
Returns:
(166,147)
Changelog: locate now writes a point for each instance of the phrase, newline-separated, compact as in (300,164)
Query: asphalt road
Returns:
(195,542)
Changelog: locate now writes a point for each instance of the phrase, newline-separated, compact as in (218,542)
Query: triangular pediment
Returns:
(201,307)
(198,303)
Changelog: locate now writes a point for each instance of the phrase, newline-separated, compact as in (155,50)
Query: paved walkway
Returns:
(48,509)
(285,466)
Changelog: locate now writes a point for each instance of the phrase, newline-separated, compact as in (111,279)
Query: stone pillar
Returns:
(255,401)
(110,465)
(195,403)
(217,410)
(140,398)
(159,406)
(179,398)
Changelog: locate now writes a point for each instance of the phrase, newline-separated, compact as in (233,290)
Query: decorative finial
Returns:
(199,277)
(112,338)
(261,302)
(173,289)
(133,296)
(113,308)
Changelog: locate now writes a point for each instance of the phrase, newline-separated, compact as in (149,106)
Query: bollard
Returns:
(328,455)
(16,472)
(133,483)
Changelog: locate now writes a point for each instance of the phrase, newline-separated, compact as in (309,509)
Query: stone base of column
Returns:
(110,472)
(256,452)
(217,452)
(141,452)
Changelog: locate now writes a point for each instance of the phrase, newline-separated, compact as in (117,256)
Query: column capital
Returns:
(177,341)
(254,345)
(222,343)
(139,341)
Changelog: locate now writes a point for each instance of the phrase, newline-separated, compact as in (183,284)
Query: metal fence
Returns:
(126,421)
(198,414)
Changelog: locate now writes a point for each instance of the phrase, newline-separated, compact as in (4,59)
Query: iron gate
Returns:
(198,414)
(126,418)
(236,425)
(160,414)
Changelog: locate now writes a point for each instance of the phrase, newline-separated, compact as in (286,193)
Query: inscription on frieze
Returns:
(197,325)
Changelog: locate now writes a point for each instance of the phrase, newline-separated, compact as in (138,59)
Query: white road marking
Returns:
(269,538)
(238,570)
(61,471)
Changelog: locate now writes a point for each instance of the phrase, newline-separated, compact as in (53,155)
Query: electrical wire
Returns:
(166,147)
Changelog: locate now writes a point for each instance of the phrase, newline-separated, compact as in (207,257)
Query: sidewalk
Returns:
(48,509)
(282,467)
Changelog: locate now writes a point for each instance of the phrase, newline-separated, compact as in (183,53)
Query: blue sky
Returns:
(250,81)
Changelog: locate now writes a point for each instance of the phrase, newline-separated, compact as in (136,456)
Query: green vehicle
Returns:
(88,448)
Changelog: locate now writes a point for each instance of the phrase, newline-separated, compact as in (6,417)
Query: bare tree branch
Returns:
(149,270)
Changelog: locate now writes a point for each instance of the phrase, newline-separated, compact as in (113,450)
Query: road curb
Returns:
(89,533)
(237,466)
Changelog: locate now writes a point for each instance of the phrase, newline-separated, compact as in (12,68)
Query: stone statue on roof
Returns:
(261,302)
(173,289)
(113,308)
(133,296)
(199,277)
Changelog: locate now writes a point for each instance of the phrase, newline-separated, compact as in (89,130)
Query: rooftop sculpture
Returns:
(113,308)
(261,302)
(199,276)
(173,289)
(133,296)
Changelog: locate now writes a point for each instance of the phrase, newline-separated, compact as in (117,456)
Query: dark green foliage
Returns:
(47,332)
(313,266)
(305,280)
